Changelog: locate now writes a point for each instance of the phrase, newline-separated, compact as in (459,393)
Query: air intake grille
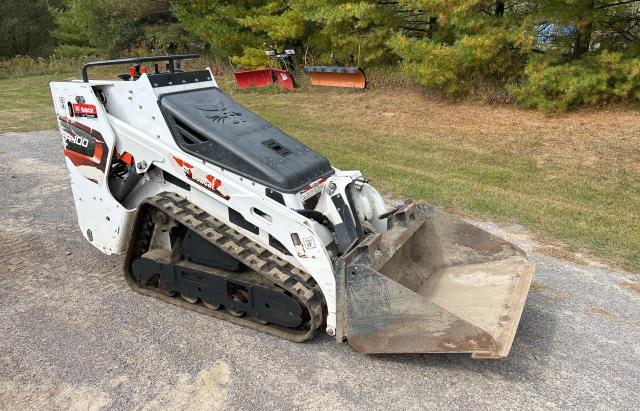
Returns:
(275,146)
(188,135)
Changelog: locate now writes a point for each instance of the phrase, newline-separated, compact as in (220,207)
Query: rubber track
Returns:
(280,272)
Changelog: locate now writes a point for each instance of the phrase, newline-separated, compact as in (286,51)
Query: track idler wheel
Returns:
(211,306)
(162,220)
(239,296)
(189,299)
(165,290)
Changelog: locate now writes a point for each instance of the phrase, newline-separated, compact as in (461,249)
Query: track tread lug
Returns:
(235,234)
(279,261)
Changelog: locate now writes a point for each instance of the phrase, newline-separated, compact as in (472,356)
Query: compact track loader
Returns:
(222,213)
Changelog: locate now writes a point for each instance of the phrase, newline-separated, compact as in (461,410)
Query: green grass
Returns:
(570,178)
(593,210)
(26,104)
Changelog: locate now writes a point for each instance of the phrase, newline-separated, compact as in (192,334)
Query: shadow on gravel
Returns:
(531,350)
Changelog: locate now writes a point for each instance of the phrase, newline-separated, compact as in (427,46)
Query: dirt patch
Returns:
(207,391)
(632,285)
(558,295)
(60,396)
(536,287)
(601,311)
(210,391)
(561,253)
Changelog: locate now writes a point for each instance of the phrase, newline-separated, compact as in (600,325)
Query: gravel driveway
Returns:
(73,335)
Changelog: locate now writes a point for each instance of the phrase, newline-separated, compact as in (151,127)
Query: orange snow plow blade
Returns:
(264,78)
(333,76)
(432,284)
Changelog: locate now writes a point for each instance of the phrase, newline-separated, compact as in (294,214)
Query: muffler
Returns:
(432,284)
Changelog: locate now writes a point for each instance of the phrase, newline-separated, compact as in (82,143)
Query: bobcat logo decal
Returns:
(207,181)
(219,113)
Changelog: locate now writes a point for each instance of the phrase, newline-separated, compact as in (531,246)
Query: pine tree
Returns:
(321,27)
(591,25)
(592,57)
(113,27)
(217,22)
(24,27)
(351,28)
(466,42)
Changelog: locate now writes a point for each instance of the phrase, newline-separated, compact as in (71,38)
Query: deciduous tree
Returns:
(24,27)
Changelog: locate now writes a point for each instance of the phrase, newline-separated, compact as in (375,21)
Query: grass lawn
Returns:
(574,179)
(25,103)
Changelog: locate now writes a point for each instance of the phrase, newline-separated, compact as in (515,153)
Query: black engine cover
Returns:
(213,127)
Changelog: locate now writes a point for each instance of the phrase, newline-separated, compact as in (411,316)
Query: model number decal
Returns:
(77,140)
(85,148)
(313,189)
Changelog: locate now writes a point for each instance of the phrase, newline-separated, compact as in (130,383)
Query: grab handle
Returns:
(170,59)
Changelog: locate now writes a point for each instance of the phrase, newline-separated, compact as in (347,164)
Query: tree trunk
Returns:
(584,29)
(499,8)
(432,27)
(15,42)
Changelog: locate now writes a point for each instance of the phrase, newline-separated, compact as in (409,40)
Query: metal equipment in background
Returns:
(283,76)
(337,75)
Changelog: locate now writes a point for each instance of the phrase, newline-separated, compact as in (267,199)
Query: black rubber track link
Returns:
(278,271)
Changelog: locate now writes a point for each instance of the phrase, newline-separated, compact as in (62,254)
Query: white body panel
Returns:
(131,121)
(103,221)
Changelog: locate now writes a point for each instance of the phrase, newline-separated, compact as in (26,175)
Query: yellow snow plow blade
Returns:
(432,284)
